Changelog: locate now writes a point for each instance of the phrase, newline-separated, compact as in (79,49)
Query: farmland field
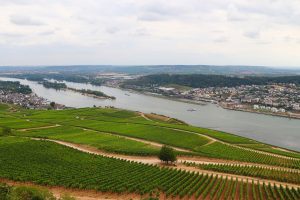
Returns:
(99,140)
(291,176)
(274,174)
(54,164)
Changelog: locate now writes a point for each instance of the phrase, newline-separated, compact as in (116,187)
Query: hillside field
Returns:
(32,153)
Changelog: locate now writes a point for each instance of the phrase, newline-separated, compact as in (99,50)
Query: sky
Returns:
(149,32)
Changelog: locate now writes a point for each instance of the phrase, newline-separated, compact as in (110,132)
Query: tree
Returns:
(52,104)
(167,154)
(6,131)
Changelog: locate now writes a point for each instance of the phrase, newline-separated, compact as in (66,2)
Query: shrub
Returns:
(167,154)
(4,191)
(30,193)
(6,131)
(67,197)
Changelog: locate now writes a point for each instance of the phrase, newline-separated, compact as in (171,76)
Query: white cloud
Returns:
(252,34)
(150,31)
(25,21)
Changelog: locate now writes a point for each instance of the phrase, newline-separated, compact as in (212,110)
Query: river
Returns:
(274,130)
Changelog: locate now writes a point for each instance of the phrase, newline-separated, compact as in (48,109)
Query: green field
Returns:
(103,126)
(114,130)
(219,150)
(100,140)
(270,149)
(281,175)
(17,123)
(151,133)
(47,163)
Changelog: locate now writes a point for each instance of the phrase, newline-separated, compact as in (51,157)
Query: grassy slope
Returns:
(51,164)
(129,123)
(219,150)
(122,123)
(99,140)
(254,171)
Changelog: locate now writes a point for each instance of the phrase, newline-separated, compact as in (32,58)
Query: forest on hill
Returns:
(203,81)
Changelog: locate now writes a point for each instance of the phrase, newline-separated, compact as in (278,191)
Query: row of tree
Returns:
(14,87)
(203,81)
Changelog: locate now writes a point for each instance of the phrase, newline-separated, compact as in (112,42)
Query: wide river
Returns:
(274,130)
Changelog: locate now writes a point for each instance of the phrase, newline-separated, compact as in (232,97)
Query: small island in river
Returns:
(93,93)
(62,86)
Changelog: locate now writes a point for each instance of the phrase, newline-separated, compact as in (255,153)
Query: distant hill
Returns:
(158,69)
(202,80)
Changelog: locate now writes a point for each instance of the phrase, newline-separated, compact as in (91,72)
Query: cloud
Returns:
(141,32)
(152,31)
(233,14)
(151,17)
(112,30)
(46,33)
(159,11)
(25,21)
(7,34)
(221,39)
(252,34)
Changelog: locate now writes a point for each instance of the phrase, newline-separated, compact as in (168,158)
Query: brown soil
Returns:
(157,117)
(37,128)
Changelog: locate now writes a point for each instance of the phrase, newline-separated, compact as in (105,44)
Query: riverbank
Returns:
(221,104)
(190,101)
(285,115)
(278,131)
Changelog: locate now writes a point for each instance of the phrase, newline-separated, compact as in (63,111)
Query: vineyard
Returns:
(111,142)
(124,132)
(130,124)
(291,176)
(219,150)
(100,140)
(55,165)
(147,132)
(270,149)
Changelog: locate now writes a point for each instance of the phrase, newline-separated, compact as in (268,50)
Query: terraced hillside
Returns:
(112,150)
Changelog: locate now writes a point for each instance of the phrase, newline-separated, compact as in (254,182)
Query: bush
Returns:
(6,131)
(67,197)
(52,104)
(30,193)
(167,154)
(4,191)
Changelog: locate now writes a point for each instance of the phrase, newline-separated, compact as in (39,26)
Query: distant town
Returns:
(267,95)
(17,94)
(275,99)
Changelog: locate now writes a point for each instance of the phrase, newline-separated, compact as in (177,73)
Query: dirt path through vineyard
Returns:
(154,160)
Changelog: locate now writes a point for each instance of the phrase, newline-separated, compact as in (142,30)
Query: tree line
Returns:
(14,87)
(203,81)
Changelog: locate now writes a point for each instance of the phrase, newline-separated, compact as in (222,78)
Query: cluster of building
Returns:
(273,98)
(268,108)
(276,98)
(29,101)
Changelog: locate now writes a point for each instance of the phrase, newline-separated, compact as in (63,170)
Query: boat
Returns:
(191,110)
(127,94)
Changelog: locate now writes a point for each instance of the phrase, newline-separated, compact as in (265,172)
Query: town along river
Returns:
(274,130)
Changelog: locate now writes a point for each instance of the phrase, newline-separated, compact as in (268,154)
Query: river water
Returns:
(274,130)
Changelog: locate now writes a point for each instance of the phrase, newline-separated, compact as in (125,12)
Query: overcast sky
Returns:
(131,32)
